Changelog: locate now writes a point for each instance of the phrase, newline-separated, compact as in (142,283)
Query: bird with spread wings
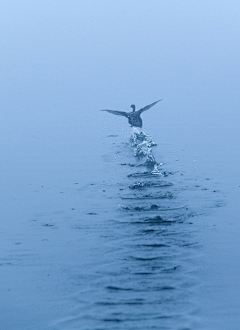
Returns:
(134,118)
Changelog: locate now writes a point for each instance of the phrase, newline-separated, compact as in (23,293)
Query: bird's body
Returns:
(134,118)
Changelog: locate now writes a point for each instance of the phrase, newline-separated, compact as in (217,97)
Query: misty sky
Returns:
(62,61)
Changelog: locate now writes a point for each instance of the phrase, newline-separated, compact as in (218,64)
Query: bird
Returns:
(134,118)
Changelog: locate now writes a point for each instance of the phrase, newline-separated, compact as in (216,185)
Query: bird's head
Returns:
(133,107)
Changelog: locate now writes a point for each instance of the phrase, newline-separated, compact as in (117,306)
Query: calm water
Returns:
(105,227)
(115,240)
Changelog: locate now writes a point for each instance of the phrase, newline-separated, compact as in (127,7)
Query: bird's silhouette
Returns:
(134,118)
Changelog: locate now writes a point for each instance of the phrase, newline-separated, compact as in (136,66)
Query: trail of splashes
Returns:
(142,145)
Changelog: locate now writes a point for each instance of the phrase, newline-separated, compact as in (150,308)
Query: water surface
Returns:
(102,226)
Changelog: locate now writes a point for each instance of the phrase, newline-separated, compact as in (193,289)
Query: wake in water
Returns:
(142,145)
(149,184)
(143,249)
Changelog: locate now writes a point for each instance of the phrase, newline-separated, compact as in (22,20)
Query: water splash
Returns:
(142,145)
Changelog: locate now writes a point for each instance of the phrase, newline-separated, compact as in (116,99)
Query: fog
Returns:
(62,62)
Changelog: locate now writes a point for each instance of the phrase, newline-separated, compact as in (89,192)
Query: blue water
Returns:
(104,226)
(109,245)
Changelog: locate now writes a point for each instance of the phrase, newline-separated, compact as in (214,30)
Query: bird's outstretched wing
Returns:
(148,106)
(115,112)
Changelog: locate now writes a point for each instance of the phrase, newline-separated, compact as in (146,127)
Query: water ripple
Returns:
(145,278)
